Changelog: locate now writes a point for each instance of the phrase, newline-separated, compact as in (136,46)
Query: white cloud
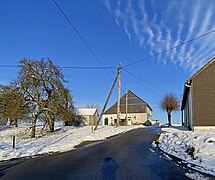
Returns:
(173,53)
(171,6)
(150,33)
(167,26)
(125,26)
(143,10)
(107,4)
(206,26)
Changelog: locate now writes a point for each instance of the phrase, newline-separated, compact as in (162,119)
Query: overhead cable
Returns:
(150,84)
(62,67)
(162,52)
(81,37)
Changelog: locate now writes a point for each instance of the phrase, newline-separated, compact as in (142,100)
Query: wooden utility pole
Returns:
(126,108)
(119,88)
(182,118)
(114,83)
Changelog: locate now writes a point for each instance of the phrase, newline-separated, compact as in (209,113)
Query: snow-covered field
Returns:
(63,139)
(176,140)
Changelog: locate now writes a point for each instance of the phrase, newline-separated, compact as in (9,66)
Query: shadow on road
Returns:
(109,168)
(10,163)
(1,174)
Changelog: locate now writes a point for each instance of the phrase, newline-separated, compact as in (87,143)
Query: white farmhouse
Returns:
(138,111)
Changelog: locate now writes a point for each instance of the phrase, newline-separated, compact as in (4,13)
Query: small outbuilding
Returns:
(90,115)
(198,102)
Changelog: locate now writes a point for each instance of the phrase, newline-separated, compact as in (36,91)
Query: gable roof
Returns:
(135,104)
(188,82)
(87,111)
(211,61)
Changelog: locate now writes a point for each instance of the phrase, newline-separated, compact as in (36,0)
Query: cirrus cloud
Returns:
(166,25)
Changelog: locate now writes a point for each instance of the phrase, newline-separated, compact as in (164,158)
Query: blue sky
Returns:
(119,31)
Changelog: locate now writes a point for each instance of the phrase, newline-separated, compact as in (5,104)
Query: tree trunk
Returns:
(16,123)
(51,126)
(10,122)
(169,118)
(50,122)
(33,127)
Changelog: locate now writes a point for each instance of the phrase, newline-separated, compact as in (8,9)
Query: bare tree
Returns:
(65,109)
(93,106)
(42,85)
(169,103)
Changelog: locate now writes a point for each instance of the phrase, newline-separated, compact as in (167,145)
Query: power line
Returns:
(8,66)
(85,67)
(81,37)
(149,57)
(63,67)
(150,84)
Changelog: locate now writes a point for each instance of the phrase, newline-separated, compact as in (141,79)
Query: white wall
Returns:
(133,118)
(110,117)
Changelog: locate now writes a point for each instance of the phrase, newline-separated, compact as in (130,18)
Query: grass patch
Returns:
(85,143)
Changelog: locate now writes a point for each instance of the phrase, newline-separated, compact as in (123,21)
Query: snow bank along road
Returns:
(176,140)
(127,156)
(62,140)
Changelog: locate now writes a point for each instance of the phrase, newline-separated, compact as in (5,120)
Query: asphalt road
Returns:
(127,156)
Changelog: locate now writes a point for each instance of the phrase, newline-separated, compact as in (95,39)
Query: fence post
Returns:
(13,142)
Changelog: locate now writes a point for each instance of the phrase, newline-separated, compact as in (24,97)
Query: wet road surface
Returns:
(127,156)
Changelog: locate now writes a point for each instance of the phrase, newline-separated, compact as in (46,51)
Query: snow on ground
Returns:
(63,139)
(176,140)
(196,176)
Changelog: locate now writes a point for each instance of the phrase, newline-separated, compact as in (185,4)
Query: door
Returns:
(106,121)
(129,121)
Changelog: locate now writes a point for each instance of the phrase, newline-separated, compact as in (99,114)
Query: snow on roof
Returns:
(87,111)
